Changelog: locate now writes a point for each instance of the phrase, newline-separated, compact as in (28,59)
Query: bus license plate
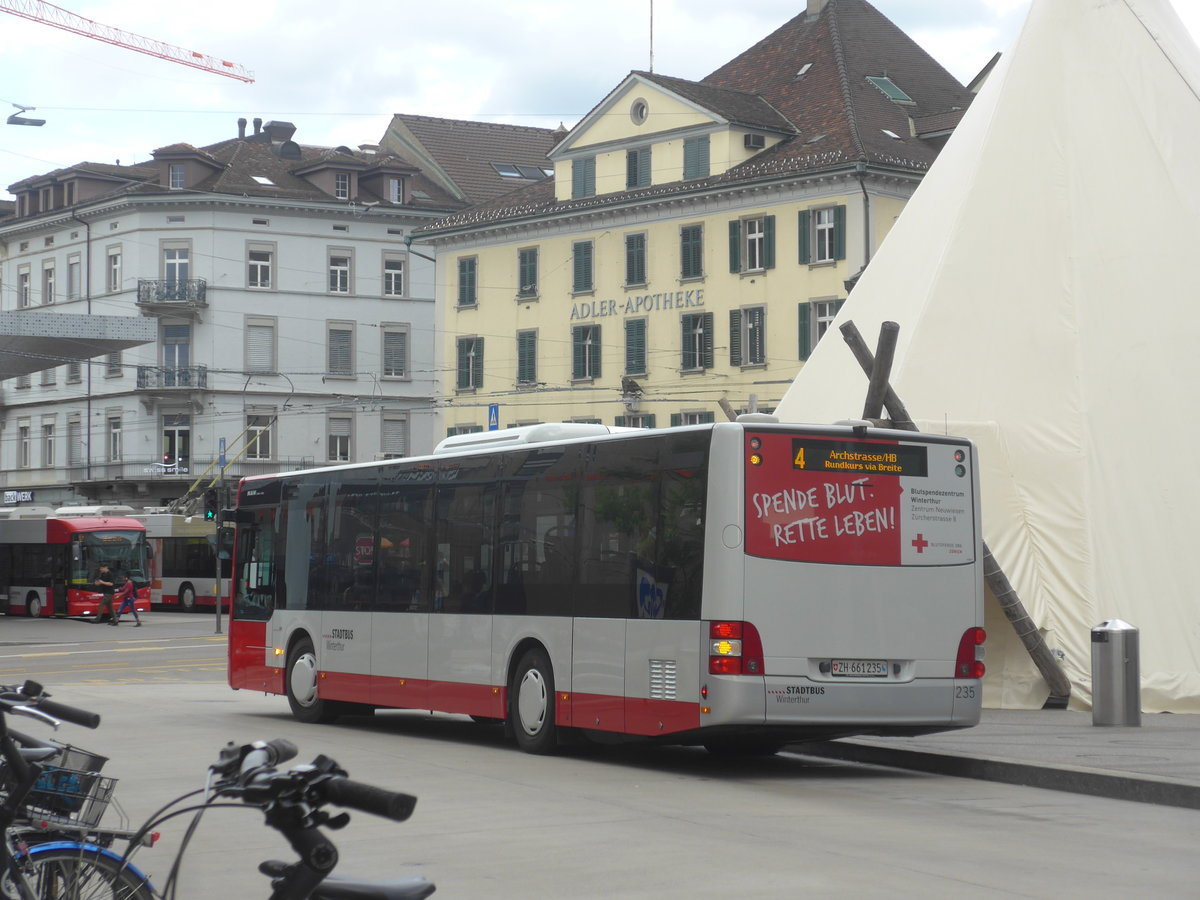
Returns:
(859,668)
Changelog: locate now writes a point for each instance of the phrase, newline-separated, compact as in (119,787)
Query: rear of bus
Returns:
(843,585)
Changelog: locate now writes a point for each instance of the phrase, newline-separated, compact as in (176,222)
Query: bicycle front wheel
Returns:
(81,873)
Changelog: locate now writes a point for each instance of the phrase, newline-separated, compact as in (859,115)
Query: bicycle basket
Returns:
(71,789)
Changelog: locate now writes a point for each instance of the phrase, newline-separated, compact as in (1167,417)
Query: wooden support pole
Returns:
(993,574)
(881,370)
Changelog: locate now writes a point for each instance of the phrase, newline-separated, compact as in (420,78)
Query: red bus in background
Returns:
(48,561)
(183,564)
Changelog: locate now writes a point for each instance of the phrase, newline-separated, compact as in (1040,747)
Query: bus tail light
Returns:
(734,648)
(970,648)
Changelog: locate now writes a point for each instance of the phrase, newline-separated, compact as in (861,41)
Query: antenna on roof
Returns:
(651,35)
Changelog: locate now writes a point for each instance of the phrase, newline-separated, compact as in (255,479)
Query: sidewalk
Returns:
(1158,762)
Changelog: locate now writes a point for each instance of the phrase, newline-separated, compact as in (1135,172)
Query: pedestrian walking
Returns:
(105,584)
(128,597)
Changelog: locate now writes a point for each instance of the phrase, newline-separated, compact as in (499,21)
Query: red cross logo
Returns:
(920,543)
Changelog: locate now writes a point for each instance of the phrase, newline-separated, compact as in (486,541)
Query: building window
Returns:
(637,168)
(114,439)
(393,277)
(258,436)
(114,271)
(752,244)
(341,348)
(74,372)
(74,441)
(635,259)
(48,377)
(47,285)
(467,272)
(692,418)
(394,434)
(697,342)
(113,365)
(527,272)
(24,298)
(583,178)
(526,357)
(815,319)
(695,157)
(691,252)
(463,429)
(177,443)
(177,355)
(635,346)
(176,271)
(581,256)
(395,351)
(48,448)
(642,420)
(175,176)
(339,273)
(24,453)
(395,190)
(339,428)
(585,352)
(822,234)
(259,263)
(74,284)
(260,345)
(470,364)
(341,185)
(747,337)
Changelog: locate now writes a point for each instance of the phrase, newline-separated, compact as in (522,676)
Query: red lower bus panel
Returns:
(651,717)
(247,650)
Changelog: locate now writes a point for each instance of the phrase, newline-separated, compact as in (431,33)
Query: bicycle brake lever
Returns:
(33,712)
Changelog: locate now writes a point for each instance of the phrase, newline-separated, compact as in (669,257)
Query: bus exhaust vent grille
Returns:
(662,679)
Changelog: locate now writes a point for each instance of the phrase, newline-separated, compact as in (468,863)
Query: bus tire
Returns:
(531,703)
(33,605)
(301,683)
(187,597)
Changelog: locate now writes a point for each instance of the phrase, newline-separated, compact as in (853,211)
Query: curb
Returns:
(1072,779)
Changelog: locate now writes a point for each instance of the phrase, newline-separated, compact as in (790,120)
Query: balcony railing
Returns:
(186,291)
(159,377)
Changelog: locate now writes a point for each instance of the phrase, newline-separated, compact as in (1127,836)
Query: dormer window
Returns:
(176,178)
(395,190)
(341,185)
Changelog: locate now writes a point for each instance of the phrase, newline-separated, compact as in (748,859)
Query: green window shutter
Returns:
(594,354)
(464,371)
(691,252)
(708,340)
(768,254)
(695,157)
(619,421)
(735,246)
(805,330)
(707,418)
(635,346)
(577,360)
(635,259)
(649,420)
(582,266)
(688,357)
(839,232)
(527,267)
(735,337)
(637,168)
(477,375)
(583,178)
(676,419)
(804,222)
(526,357)
(466,282)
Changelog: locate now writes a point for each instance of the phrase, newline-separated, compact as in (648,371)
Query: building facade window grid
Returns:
(527,272)
(47,285)
(339,273)
(635,259)
(747,336)
(695,157)
(470,364)
(583,266)
(340,360)
(637,168)
(339,429)
(393,277)
(258,436)
(395,351)
(691,252)
(468,267)
(697,341)
(585,352)
(527,357)
(260,262)
(583,177)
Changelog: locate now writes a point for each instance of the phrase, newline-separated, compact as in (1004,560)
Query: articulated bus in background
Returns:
(737,585)
(183,570)
(49,558)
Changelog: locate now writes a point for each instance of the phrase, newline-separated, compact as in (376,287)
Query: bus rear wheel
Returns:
(33,605)
(531,703)
(187,598)
(301,685)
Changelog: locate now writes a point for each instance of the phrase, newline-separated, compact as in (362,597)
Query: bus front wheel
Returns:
(33,605)
(302,686)
(532,703)
(187,598)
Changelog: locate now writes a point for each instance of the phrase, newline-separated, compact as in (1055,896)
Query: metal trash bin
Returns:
(1116,674)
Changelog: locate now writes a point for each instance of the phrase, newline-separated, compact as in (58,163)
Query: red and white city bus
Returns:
(737,585)
(183,568)
(48,561)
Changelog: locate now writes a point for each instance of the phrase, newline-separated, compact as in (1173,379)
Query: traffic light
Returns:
(210,504)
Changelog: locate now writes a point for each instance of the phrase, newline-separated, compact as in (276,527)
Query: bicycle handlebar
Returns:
(72,714)
(31,697)
(367,798)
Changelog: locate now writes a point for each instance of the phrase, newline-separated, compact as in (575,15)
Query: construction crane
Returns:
(56,16)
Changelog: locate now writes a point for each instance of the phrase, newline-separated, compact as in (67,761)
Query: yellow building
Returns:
(697,237)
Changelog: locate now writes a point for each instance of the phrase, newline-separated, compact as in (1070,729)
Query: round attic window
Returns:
(638,111)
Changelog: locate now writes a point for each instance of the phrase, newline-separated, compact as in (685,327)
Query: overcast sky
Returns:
(339,71)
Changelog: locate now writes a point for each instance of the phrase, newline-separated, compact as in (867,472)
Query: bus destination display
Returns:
(859,456)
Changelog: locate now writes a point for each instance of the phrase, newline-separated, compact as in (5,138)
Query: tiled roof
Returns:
(460,153)
(810,77)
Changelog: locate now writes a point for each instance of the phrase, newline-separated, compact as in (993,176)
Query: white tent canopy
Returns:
(1040,278)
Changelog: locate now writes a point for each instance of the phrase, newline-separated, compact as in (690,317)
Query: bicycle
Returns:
(292,802)
(48,813)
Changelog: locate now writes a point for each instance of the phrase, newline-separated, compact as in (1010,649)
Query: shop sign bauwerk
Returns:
(635,305)
(18,497)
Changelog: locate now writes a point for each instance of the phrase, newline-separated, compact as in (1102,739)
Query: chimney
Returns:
(257,125)
(815,7)
(241,129)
